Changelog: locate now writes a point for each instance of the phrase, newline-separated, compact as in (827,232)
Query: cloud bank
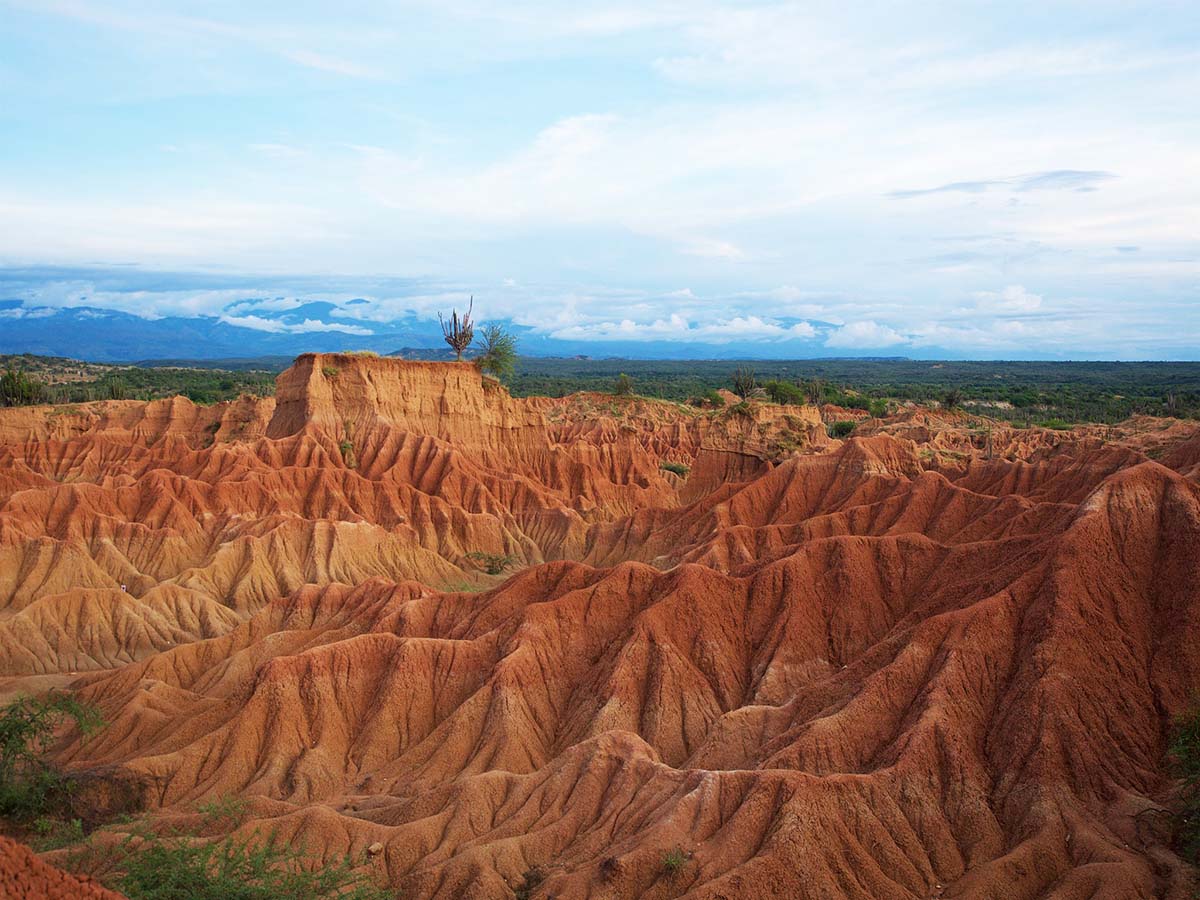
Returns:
(899,168)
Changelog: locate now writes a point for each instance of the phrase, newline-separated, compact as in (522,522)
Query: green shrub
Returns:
(1184,759)
(785,392)
(492,563)
(674,860)
(1055,425)
(623,386)
(742,409)
(54,834)
(878,409)
(348,457)
(329,371)
(29,786)
(19,389)
(708,398)
(497,351)
(176,867)
(678,468)
(227,810)
(841,428)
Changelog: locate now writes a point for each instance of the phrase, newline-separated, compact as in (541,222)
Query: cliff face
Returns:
(347,393)
(939,658)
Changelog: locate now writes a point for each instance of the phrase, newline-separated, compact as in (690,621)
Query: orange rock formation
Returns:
(938,659)
(25,877)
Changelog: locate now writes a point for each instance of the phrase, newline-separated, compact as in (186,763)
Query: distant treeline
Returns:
(1021,392)
(19,387)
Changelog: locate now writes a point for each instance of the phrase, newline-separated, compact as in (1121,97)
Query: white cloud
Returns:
(21,313)
(864,336)
(1013,298)
(713,249)
(777,163)
(677,328)
(258,323)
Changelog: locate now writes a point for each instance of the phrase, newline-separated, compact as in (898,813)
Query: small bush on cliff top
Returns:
(785,392)
(742,409)
(623,386)
(841,429)
(497,351)
(709,398)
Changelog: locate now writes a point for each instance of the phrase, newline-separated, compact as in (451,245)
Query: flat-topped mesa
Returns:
(138,422)
(346,394)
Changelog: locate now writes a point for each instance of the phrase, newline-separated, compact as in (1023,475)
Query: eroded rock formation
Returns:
(937,659)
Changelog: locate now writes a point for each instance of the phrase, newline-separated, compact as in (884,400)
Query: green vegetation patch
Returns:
(177,867)
(31,789)
(1021,392)
(1184,759)
(492,563)
(674,860)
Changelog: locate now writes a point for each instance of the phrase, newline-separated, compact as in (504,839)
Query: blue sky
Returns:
(995,180)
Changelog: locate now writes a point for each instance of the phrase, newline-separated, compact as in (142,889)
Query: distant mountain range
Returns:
(105,335)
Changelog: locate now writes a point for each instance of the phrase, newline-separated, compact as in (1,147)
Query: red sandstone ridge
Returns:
(937,659)
(25,877)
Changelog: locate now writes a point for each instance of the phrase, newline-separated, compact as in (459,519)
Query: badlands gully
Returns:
(937,659)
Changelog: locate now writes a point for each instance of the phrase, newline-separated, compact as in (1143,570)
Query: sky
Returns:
(1017,180)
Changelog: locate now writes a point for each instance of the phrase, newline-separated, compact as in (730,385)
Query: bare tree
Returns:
(459,332)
